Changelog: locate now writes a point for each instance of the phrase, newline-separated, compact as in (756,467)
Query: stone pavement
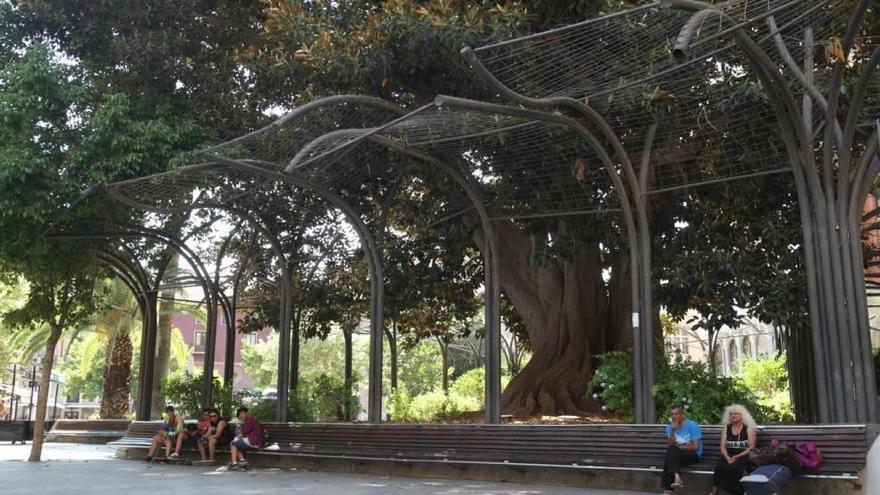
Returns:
(71,469)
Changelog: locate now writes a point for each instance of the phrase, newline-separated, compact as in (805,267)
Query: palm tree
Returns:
(113,328)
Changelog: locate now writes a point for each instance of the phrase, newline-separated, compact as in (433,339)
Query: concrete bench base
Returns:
(698,482)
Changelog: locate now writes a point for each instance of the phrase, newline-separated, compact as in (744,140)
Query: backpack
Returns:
(808,454)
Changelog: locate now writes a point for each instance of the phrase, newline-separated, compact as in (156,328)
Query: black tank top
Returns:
(737,443)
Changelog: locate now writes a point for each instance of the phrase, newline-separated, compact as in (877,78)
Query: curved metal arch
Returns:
(286,311)
(149,316)
(373,260)
(638,232)
(226,307)
(616,181)
(119,268)
(201,273)
(837,272)
(308,107)
(491,276)
(492,281)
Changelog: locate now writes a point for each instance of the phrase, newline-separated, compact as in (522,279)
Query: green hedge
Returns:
(691,383)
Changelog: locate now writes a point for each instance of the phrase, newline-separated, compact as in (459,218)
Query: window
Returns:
(200,342)
(747,347)
(250,338)
(734,357)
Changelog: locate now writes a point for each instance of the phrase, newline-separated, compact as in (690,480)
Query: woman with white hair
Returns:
(738,437)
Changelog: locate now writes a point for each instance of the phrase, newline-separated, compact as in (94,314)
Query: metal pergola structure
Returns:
(589,120)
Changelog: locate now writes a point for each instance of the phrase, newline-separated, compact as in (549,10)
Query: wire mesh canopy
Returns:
(636,68)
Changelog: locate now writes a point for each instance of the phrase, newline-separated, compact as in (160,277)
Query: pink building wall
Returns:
(195,335)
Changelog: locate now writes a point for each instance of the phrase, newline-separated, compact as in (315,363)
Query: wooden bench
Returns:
(140,433)
(97,431)
(13,431)
(20,431)
(597,448)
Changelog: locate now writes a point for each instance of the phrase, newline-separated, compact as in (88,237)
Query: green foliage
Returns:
(260,361)
(399,405)
(681,381)
(298,409)
(704,393)
(466,394)
(83,367)
(184,392)
(467,391)
(768,380)
(330,399)
(420,368)
(613,384)
(431,406)
(765,377)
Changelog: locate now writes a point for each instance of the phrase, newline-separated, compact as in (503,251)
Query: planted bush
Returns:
(690,383)
(185,391)
(298,409)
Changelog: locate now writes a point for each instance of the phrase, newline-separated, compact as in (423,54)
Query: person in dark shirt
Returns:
(219,432)
(249,438)
(738,437)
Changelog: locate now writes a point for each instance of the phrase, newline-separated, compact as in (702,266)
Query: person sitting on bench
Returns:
(218,433)
(194,434)
(170,428)
(685,446)
(249,438)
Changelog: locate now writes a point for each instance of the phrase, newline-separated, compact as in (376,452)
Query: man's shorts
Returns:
(242,445)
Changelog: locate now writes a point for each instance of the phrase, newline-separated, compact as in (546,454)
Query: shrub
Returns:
(768,380)
(329,398)
(429,406)
(298,409)
(184,392)
(467,391)
(691,383)
(400,406)
(465,395)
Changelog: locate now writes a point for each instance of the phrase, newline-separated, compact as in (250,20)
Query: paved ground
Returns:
(70,469)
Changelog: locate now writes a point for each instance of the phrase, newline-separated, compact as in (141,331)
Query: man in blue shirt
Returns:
(685,446)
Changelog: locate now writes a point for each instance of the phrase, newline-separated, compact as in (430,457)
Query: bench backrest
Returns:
(91,425)
(844,447)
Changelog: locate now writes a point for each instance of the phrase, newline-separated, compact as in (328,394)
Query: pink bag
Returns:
(809,455)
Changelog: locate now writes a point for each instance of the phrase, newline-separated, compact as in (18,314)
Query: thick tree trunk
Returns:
(163,341)
(43,395)
(560,304)
(117,377)
(620,334)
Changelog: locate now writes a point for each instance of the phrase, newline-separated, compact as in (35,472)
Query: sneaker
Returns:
(244,465)
(174,455)
(149,459)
